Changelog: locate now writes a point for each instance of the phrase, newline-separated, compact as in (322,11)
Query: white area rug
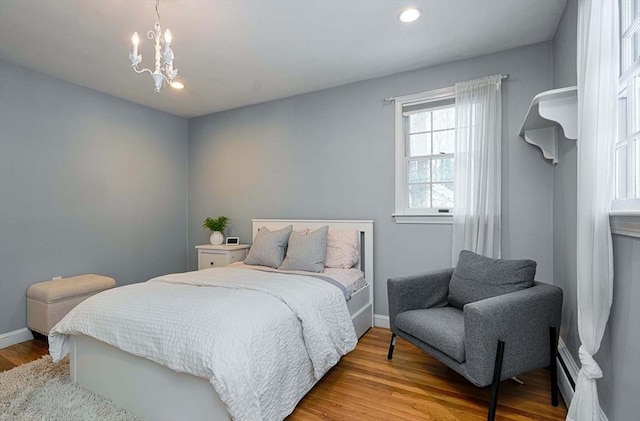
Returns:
(42,390)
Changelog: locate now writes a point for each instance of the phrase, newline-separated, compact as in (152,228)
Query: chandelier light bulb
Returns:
(135,40)
(167,37)
(177,85)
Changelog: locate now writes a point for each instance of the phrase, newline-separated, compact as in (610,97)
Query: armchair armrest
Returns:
(414,292)
(521,319)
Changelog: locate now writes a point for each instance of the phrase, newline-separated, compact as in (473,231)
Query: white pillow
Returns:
(343,249)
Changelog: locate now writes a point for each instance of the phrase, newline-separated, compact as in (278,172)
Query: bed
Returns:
(154,391)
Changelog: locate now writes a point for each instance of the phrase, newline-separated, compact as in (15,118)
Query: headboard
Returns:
(365,228)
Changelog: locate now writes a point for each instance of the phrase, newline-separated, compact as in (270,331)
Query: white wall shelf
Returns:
(548,110)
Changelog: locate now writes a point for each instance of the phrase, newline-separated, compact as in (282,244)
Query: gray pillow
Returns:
(307,251)
(477,277)
(268,247)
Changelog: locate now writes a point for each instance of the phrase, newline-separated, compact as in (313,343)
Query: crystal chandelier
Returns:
(164,70)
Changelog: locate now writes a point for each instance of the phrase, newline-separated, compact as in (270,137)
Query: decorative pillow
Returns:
(306,251)
(268,247)
(343,249)
(477,277)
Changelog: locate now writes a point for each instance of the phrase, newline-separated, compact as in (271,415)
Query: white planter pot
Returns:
(216,238)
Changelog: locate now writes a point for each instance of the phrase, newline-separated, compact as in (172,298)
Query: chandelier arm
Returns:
(152,73)
(135,69)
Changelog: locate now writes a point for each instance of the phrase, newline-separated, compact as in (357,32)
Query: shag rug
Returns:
(42,390)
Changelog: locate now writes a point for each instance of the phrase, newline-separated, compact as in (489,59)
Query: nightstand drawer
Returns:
(212,260)
(219,256)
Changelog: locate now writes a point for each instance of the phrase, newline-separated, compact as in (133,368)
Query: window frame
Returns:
(403,214)
(627,147)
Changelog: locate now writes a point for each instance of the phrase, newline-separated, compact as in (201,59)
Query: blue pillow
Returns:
(268,247)
(307,251)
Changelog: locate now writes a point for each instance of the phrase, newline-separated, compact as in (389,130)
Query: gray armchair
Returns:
(488,340)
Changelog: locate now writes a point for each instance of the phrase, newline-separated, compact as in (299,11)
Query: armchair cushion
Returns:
(420,291)
(442,328)
(477,277)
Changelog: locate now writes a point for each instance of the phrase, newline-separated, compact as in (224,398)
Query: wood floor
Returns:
(23,353)
(412,386)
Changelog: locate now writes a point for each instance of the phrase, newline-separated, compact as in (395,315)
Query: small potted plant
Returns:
(217,226)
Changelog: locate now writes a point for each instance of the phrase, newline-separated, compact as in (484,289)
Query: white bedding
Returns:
(262,339)
(350,279)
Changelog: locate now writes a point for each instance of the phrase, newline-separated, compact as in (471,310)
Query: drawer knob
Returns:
(211,263)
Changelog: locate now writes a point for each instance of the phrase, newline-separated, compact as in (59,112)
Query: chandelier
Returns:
(164,70)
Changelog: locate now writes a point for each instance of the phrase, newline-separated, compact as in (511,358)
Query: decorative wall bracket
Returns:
(548,110)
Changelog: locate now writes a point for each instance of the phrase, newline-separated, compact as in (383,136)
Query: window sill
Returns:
(436,218)
(625,205)
(625,222)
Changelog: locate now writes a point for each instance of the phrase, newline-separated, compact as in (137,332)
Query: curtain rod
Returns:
(392,99)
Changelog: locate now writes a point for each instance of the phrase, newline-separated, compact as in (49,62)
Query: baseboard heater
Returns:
(566,371)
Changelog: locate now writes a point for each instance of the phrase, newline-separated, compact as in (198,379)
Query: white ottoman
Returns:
(48,302)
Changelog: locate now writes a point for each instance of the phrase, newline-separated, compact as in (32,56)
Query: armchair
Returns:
(488,340)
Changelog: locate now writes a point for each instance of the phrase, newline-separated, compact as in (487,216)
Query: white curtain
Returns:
(598,40)
(477,169)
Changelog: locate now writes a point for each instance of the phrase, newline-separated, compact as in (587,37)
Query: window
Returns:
(425,136)
(627,153)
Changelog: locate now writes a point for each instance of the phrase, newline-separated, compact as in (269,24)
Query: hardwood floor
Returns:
(412,386)
(23,353)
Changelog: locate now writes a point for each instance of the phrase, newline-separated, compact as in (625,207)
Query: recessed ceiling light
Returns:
(409,15)
(177,85)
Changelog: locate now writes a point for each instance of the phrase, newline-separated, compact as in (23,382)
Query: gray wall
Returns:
(564,183)
(88,183)
(330,154)
(619,353)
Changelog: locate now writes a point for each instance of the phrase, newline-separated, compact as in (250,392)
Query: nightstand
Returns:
(210,256)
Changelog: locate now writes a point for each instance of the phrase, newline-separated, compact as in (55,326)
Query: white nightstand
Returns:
(210,256)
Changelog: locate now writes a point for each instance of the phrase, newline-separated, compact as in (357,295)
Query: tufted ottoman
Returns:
(48,302)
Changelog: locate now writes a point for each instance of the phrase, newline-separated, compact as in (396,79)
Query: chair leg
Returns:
(553,367)
(497,372)
(392,344)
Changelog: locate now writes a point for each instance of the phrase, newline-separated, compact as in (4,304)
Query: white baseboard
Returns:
(380,320)
(15,337)
(566,390)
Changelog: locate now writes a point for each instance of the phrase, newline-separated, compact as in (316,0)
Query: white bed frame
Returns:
(361,303)
(152,391)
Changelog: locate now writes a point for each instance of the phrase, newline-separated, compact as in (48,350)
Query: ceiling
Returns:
(232,53)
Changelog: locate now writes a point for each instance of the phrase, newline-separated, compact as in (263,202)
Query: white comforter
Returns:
(262,339)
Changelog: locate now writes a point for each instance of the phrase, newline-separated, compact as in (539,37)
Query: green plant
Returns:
(218,224)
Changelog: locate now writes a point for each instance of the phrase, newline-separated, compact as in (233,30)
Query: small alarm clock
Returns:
(233,241)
